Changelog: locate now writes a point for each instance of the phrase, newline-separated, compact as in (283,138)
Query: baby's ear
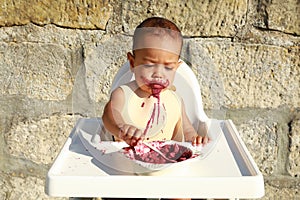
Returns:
(179,62)
(130,58)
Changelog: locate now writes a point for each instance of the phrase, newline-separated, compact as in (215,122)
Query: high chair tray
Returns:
(228,171)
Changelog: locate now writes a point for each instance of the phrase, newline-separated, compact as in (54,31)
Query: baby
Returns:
(148,108)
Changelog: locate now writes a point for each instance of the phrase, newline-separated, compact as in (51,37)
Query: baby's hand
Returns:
(130,134)
(197,140)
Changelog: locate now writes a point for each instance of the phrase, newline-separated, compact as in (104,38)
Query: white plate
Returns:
(112,155)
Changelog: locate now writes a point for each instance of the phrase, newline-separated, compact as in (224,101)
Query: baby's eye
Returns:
(148,65)
(169,67)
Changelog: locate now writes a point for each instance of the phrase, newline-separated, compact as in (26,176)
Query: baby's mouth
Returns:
(157,85)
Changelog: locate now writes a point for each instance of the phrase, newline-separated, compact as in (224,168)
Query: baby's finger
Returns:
(199,140)
(138,134)
(205,140)
(195,140)
(123,132)
(137,137)
(129,132)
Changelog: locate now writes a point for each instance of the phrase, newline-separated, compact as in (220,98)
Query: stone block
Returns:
(284,16)
(265,133)
(261,139)
(294,154)
(14,187)
(31,33)
(74,14)
(281,187)
(194,18)
(101,63)
(254,35)
(41,71)
(3,187)
(245,75)
(39,141)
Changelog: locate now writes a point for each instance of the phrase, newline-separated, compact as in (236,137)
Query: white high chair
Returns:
(228,171)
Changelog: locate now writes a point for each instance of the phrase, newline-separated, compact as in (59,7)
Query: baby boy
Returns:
(148,108)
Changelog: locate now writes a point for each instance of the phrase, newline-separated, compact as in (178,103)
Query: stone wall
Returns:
(58,59)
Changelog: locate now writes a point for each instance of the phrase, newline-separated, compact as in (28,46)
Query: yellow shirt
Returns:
(156,117)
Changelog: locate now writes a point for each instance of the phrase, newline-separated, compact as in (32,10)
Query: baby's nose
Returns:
(159,71)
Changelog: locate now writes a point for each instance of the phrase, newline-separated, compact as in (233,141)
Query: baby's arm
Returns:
(112,117)
(114,122)
(190,134)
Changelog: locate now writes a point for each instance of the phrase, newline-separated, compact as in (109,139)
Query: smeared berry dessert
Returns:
(172,151)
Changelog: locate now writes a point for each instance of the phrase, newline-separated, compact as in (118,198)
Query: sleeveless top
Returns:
(156,117)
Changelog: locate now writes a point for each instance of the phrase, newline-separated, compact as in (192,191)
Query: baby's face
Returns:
(153,66)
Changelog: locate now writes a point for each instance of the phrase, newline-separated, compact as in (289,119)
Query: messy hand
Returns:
(130,134)
(197,140)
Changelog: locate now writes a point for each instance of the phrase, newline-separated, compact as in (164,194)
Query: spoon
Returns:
(159,152)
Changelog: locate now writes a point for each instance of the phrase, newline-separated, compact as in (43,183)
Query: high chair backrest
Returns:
(186,84)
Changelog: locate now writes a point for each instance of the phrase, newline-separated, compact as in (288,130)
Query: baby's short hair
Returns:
(159,27)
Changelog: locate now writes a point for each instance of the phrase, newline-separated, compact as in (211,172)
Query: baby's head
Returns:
(157,45)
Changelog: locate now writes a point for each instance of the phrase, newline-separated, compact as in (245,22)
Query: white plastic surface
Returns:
(222,174)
